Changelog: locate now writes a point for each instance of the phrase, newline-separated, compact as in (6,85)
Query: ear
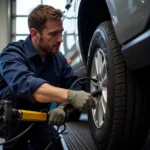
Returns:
(34,34)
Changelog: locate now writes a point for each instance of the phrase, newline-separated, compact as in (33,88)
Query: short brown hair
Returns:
(41,14)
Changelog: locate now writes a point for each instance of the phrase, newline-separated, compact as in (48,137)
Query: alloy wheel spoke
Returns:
(98,63)
(103,103)
(104,81)
(104,93)
(103,70)
(100,112)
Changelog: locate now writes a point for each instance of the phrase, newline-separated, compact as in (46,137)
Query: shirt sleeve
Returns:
(16,73)
(69,77)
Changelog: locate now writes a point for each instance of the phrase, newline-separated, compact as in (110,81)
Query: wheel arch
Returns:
(90,15)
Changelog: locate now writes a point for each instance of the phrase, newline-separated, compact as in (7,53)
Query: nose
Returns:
(59,39)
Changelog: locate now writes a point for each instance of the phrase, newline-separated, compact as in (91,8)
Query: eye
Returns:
(53,34)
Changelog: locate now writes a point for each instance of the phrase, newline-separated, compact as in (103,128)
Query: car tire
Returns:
(120,120)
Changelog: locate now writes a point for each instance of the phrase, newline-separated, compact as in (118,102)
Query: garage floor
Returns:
(77,135)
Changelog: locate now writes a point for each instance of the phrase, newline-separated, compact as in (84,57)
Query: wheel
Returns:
(119,117)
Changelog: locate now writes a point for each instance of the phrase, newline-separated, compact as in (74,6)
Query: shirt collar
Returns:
(29,48)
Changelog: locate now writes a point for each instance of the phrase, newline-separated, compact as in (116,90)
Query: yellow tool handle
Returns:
(33,115)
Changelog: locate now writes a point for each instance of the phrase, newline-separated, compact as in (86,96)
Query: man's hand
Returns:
(57,116)
(81,99)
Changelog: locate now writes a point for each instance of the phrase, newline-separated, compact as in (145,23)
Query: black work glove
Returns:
(57,116)
(81,99)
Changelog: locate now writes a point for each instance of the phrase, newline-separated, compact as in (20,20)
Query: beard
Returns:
(47,49)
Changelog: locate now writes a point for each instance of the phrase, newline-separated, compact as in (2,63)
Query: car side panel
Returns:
(70,46)
(129,17)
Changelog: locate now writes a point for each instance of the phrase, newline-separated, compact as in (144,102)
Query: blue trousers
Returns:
(37,138)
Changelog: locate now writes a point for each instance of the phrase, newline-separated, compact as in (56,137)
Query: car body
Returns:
(109,40)
(130,19)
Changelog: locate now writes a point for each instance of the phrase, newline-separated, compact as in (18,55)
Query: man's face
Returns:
(51,37)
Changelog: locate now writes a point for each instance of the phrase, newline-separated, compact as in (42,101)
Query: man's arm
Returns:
(79,99)
(47,93)
(24,82)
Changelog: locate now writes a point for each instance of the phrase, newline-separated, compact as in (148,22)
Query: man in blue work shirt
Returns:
(33,74)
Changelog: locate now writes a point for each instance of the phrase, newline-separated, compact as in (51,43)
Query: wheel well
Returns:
(91,14)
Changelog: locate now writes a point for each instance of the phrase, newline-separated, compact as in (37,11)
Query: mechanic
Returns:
(33,74)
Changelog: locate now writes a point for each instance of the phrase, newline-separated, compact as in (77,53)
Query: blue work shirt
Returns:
(22,71)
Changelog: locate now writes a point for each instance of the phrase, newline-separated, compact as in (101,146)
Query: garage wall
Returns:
(4,23)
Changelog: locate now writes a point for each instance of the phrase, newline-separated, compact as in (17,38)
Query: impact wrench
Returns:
(7,114)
